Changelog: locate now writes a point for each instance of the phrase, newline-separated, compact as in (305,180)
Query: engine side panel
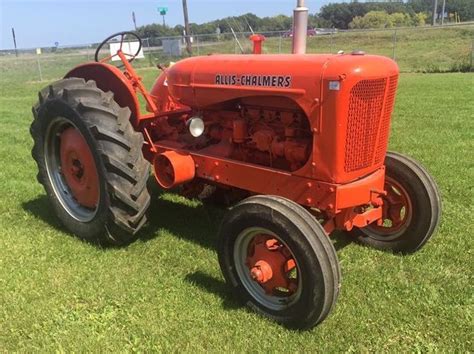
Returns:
(268,131)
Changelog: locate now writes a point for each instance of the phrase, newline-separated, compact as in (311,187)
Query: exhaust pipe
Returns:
(300,28)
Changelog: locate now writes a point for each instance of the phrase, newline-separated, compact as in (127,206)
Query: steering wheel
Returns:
(122,36)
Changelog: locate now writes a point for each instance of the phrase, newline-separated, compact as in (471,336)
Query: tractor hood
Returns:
(200,82)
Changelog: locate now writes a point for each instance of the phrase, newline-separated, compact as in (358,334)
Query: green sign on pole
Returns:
(162,10)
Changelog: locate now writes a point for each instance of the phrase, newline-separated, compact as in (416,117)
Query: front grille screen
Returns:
(366,104)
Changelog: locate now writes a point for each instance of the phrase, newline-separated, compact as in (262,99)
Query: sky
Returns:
(41,23)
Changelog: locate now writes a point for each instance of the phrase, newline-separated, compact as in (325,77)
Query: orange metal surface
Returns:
(257,40)
(396,210)
(126,85)
(270,264)
(78,168)
(172,168)
(303,190)
(110,78)
(321,85)
(201,82)
(312,128)
(136,82)
(349,218)
(239,130)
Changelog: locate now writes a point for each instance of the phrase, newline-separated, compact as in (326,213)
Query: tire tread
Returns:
(110,127)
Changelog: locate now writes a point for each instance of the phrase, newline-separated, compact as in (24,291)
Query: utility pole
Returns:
(187,31)
(134,20)
(435,12)
(442,12)
(14,41)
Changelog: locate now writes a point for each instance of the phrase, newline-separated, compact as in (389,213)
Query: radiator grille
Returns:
(385,123)
(365,111)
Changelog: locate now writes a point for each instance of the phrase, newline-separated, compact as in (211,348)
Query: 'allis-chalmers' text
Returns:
(254,80)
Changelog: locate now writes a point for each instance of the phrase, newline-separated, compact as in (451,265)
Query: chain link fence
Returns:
(416,49)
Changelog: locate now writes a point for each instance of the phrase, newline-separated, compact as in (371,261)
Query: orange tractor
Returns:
(297,143)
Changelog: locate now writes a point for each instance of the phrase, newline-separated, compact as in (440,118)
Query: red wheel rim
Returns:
(78,168)
(272,265)
(397,210)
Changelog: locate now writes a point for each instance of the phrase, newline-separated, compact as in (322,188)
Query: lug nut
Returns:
(256,274)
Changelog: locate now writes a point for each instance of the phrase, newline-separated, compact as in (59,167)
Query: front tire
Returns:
(412,208)
(90,161)
(279,261)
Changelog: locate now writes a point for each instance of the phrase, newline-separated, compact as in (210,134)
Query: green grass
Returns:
(166,292)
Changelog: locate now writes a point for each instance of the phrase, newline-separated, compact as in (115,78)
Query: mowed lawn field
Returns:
(165,291)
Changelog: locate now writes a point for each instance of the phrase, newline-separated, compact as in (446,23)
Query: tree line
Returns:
(412,12)
(337,15)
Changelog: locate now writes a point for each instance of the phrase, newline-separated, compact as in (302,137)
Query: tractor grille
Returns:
(385,123)
(367,114)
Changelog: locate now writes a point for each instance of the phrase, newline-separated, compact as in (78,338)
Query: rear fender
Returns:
(110,78)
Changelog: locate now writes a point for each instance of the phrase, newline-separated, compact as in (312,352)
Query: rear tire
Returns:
(277,231)
(419,201)
(116,149)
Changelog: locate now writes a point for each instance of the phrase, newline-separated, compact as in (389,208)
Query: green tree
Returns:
(420,5)
(340,15)
(399,19)
(372,19)
(381,19)
(419,19)
(464,8)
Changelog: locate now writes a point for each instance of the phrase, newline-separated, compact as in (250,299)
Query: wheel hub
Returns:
(271,264)
(396,210)
(261,272)
(78,168)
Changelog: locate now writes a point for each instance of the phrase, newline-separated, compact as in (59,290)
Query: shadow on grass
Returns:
(341,240)
(41,208)
(199,224)
(196,223)
(214,286)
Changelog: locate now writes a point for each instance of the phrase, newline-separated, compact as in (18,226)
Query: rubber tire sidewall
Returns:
(255,215)
(425,216)
(47,113)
